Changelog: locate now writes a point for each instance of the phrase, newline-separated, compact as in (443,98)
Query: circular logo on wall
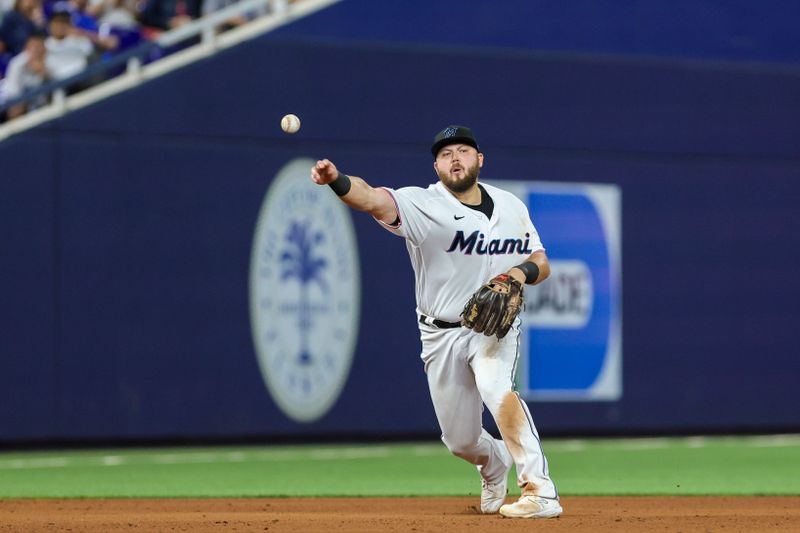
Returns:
(304,293)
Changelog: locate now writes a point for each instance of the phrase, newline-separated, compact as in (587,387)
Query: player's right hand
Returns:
(324,172)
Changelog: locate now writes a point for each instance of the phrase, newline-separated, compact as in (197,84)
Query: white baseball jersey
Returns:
(455,249)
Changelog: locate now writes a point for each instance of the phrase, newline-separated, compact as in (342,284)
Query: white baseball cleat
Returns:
(493,495)
(532,507)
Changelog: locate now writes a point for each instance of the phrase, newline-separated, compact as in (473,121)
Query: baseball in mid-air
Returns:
(290,123)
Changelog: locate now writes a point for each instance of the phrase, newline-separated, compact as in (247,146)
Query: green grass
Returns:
(685,466)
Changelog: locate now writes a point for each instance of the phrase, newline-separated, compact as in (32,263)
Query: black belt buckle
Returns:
(441,324)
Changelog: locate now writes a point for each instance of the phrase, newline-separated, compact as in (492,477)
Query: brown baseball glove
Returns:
(493,307)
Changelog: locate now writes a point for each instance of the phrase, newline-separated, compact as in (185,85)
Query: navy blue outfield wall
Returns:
(127,230)
(729,30)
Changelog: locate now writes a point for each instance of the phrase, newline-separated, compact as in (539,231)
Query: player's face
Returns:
(458,166)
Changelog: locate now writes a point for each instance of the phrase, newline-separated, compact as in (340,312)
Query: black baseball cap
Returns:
(453,135)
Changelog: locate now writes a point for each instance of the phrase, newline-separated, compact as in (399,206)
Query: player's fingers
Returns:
(318,176)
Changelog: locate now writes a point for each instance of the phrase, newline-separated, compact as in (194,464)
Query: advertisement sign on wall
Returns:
(571,345)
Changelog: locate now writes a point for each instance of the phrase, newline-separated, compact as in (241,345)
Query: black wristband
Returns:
(531,271)
(341,185)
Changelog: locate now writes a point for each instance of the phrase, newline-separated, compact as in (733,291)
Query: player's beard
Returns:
(464,184)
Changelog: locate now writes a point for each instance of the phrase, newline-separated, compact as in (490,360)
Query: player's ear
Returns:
(435,167)
(480,160)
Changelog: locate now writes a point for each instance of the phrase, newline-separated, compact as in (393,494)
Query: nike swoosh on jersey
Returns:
(459,218)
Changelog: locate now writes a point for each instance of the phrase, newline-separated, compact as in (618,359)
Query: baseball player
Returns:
(473,247)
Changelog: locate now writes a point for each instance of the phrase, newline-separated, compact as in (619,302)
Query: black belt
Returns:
(441,324)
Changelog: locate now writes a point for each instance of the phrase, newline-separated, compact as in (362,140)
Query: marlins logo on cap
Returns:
(450,131)
(453,135)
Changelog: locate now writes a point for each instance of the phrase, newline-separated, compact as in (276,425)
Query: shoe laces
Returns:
(485,485)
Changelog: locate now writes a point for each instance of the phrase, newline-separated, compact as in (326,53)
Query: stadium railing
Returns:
(171,50)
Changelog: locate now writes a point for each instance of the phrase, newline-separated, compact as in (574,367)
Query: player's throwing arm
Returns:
(355,192)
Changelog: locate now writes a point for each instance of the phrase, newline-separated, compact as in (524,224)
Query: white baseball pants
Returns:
(466,370)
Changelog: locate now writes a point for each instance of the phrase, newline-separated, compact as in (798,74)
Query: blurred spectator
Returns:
(20,23)
(118,18)
(26,71)
(68,51)
(120,14)
(169,14)
(110,24)
(82,18)
(84,21)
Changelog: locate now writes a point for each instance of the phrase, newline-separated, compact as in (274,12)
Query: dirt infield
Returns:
(440,515)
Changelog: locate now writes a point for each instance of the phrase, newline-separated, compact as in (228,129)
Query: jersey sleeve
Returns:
(412,223)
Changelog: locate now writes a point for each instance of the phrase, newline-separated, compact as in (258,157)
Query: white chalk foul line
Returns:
(137,458)
(37,460)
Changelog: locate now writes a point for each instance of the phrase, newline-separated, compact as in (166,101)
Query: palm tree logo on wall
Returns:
(298,261)
(304,325)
